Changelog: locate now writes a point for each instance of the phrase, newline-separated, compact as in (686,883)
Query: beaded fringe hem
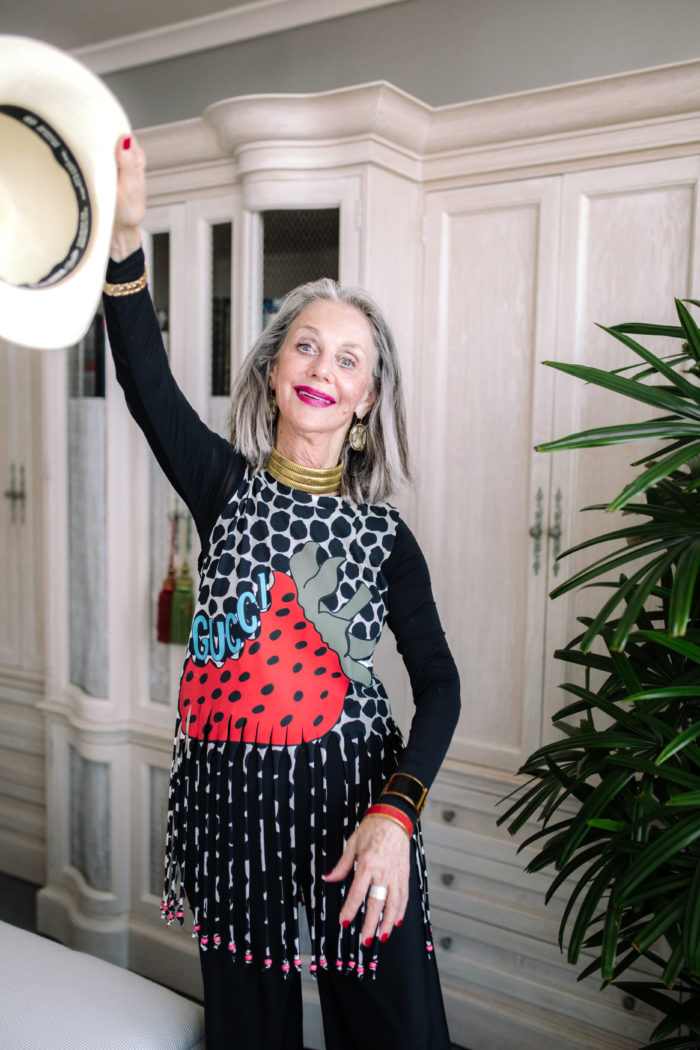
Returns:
(249,873)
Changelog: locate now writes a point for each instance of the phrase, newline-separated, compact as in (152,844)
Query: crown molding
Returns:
(621,99)
(377,109)
(623,114)
(255,19)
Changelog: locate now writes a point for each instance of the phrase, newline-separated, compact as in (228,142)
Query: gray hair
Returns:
(369,476)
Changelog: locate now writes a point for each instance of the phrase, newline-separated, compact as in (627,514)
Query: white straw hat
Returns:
(59,126)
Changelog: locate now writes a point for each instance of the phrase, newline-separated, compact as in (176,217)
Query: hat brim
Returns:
(81,109)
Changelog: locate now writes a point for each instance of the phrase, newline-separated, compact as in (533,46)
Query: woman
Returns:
(291,788)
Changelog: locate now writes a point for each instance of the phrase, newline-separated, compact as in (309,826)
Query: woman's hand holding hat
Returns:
(131,198)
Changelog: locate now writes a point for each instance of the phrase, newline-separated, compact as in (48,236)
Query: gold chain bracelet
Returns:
(129,288)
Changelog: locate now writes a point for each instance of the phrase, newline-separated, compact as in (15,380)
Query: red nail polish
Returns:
(345,923)
(127,143)
(399,921)
(384,937)
(367,941)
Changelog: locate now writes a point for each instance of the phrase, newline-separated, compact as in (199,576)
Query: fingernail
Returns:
(384,937)
(399,921)
(367,941)
(345,923)
(127,143)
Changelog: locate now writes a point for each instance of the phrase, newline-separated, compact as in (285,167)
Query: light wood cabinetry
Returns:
(517,273)
(23,582)
(495,234)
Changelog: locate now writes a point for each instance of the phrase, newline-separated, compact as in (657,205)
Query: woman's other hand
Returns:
(380,851)
(131,198)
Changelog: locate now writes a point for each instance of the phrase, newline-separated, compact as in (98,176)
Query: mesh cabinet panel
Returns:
(299,245)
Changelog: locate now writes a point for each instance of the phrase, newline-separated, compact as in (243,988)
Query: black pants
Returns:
(248,1009)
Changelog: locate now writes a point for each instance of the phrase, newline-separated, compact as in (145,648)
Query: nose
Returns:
(321,365)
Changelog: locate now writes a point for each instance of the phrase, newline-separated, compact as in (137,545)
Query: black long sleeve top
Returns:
(205,470)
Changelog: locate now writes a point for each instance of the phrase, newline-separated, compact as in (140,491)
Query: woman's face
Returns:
(322,377)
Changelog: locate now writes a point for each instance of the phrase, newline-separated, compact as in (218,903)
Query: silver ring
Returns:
(378,892)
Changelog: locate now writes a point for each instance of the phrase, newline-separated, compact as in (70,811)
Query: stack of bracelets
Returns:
(406,787)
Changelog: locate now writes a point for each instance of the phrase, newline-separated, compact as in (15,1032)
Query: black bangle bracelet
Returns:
(407,787)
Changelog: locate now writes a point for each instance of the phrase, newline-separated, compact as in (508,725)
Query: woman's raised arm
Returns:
(131,198)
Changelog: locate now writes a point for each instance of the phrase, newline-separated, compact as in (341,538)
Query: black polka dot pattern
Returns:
(290,607)
(261,529)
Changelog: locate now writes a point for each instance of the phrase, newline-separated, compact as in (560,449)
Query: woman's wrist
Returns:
(125,242)
(387,812)
(129,269)
(406,792)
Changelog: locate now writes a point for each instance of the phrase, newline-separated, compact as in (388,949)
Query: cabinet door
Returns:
(22,607)
(490,307)
(629,246)
(21,476)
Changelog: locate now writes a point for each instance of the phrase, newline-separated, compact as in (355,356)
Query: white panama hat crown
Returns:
(59,127)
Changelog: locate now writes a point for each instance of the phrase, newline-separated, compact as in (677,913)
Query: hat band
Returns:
(63,157)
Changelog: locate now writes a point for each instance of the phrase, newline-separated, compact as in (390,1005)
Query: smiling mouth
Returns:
(313,397)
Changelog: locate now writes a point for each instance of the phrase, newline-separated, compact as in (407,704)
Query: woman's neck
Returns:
(319,452)
(306,479)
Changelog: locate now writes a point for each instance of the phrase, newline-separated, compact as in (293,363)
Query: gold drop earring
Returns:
(357,438)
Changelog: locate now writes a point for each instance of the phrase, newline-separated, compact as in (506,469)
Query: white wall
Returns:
(441,51)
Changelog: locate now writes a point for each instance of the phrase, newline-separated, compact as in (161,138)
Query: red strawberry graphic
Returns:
(290,683)
(286,686)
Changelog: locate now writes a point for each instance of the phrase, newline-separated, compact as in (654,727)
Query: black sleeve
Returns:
(202,467)
(414,621)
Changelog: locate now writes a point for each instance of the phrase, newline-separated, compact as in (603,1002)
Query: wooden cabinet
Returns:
(21,473)
(629,245)
(516,274)
(489,320)
(23,581)
(495,235)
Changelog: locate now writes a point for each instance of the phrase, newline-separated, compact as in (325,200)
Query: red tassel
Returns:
(165,605)
(165,598)
(182,608)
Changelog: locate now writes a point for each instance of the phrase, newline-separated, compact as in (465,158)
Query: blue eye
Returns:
(347,362)
(305,348)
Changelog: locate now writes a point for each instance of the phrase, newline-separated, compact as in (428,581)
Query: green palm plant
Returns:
(617,796)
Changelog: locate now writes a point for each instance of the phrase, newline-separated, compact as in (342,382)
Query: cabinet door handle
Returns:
(446,943)
(16,495)
(555,532)
(447,878)
(448,815)
(536,530)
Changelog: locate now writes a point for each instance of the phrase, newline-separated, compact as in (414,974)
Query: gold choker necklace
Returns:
(307,479)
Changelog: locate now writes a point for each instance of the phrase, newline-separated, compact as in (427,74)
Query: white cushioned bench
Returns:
(53,997)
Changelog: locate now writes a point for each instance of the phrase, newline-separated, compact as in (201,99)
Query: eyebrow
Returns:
(344,346)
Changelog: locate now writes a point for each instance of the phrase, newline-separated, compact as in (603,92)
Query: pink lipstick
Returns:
(309,396)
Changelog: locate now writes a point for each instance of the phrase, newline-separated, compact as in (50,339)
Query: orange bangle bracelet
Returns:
(391,813)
